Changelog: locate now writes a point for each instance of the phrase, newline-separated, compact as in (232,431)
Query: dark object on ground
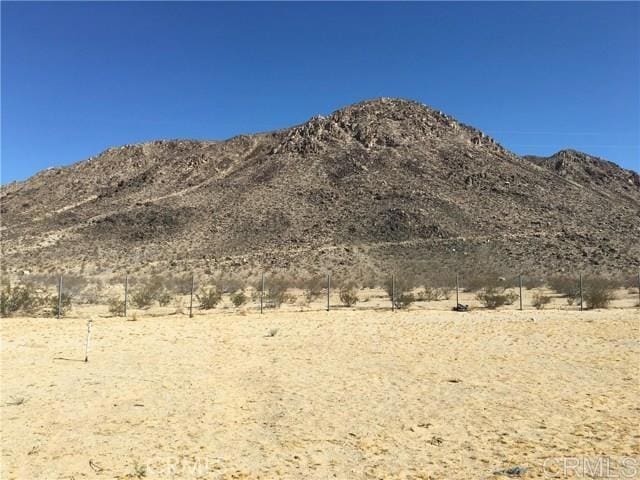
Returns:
(461,308)
(513,471)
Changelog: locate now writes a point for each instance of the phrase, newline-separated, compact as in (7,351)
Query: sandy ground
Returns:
(345,394)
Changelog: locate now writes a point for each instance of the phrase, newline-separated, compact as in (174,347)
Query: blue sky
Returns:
(80,77)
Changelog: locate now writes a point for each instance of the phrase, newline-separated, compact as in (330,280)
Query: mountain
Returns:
(379,185)
(603,176)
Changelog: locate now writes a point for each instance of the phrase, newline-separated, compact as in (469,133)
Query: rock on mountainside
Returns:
(376,185)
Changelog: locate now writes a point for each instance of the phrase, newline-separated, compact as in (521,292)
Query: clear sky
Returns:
(78,78)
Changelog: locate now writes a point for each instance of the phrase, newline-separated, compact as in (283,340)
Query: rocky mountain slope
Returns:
(381,184)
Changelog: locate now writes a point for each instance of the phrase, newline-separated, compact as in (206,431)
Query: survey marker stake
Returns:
(86,346)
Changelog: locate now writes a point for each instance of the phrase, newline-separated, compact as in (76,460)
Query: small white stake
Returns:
(86,347)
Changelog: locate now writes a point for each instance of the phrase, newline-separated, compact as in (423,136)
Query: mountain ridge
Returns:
(367,187)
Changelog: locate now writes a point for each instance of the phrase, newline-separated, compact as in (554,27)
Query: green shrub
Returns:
(431,294)
(494,297)
(313,287)
(598,292)
(65,304)
(209,298)
(276,291)
(567,286)
(116,307)
(348,295)
(238,299)
(368,281)
(631,283)
(403,287)
(540,299)
(20,298)
(228,284)
(153,290)
(479,282)
(180,284)
(405,300)
(164,298)
(74,285)
(142,297)
(532,282)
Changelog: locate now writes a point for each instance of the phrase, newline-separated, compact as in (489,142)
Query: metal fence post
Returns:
(126,293)
(393,292)
(60,296)
(581,298)
(193,279)
(457,290)
(262,292)
(328,291)
(520,285)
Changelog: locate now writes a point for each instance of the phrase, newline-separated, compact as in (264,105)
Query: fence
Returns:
(196,294)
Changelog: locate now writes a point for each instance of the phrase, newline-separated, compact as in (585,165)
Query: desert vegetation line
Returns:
(33,296)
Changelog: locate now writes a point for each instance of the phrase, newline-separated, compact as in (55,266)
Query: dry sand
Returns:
(344,394)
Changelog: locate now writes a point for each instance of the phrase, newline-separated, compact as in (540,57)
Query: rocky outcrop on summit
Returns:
(372,186)
(384,123)
(593,172)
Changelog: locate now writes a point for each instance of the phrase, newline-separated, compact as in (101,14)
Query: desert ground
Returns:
(344,394)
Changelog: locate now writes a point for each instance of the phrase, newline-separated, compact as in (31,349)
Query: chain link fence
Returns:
(201,294)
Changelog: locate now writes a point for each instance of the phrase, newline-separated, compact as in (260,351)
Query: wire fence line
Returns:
(195,294)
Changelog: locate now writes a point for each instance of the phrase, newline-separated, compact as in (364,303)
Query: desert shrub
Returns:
(511,297)
(631,283)
(153,290)
(65,304)
(19,298)
(368,281)
(479,282)
(116,307)
(73,284)
(313,287)
(532,282)
(403,286)
(540,299)
(179,306)
(180,284)
(209,298)
(238,299)
(115,281)
(405,300)
(431,294)
(255,293)
(494,297)
(567,286)
(348,295)
(164,298)
(156,284)
(228,284)
(425,295)
(446,292)
(43,280)
(92,294)
(142,297)
(598,292)
(276,291)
